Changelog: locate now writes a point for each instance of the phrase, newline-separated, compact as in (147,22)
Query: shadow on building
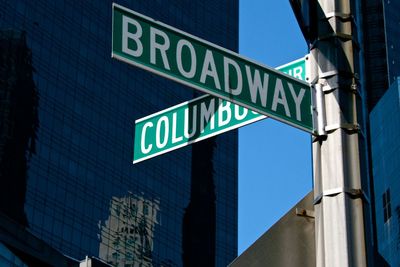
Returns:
(199,222)
(18,122)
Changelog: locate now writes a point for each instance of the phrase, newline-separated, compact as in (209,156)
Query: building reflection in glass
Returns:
(87,107)
(18,122)
(128,232)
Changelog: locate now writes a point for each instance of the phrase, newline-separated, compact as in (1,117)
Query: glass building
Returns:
(382,68)
(381,51)
(67,113)
(392,37)
(385,146)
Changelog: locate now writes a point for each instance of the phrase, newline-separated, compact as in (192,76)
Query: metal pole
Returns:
(338,202)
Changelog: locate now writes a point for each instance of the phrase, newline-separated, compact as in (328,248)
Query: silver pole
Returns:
(339,223)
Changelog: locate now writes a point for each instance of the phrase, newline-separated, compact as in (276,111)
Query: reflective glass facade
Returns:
(8,259)
(382,65)
(66,144)
(392,30)
(385,146)
(381,52)
(380,70)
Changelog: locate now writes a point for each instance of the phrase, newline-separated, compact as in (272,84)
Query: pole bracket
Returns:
(352,192)
(319,112)
(305,213)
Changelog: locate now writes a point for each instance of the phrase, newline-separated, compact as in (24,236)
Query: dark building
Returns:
(385,129)
(67,111)
(381,34)
(382,71)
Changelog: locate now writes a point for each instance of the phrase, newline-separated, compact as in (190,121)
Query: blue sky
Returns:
(274,159)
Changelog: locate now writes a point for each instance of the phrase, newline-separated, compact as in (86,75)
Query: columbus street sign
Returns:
(169,52)
(196,120)
(297,69)
(187,123)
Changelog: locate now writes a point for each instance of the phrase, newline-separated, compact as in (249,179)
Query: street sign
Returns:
(297,69)
(169,52)
(196,120)
(187,123)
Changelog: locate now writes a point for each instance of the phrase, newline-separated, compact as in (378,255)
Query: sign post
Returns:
(171,53)
(338,194)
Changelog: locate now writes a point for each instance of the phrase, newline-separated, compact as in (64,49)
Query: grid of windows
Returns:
(385,148)
(83,196)
(392,30)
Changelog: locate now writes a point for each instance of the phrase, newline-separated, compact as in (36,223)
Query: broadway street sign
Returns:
(196,120)
(169,52)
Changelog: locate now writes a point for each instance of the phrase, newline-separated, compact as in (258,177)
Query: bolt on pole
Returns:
(338,197)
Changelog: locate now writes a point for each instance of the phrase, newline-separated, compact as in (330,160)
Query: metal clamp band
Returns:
(343,16)
(351,127)
(354,193)
(328,74)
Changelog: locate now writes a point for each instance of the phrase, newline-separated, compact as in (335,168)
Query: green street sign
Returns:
(196,120)
(297,69)
(187,123)
(169,52)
